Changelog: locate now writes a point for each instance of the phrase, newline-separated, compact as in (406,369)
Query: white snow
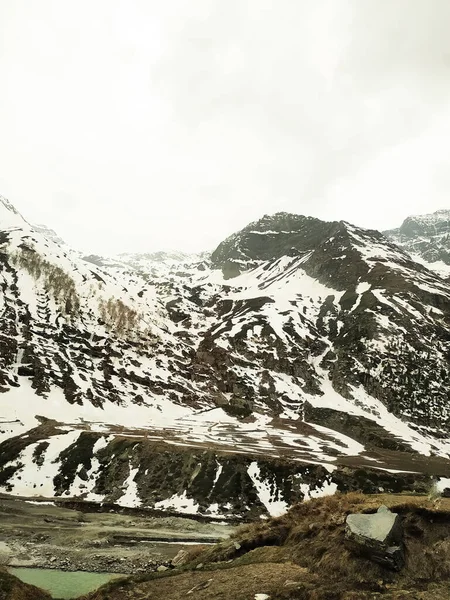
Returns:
(274,506)
(442,484)
(439,267)
(31,480)
(328,488)
(362,287)
(131,496)
(23,404)
(218,474)
(180,503)
(9,217)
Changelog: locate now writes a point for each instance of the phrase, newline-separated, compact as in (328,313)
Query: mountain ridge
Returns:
(427,238)
(253,388)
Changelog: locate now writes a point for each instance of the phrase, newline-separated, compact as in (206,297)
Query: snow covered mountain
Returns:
(146,262)
(302,358)
(154,265)
(427,239)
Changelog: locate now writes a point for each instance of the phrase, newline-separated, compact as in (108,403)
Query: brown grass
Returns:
(236,583)
(304,554)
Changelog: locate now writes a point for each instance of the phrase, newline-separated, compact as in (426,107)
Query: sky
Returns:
(139,125)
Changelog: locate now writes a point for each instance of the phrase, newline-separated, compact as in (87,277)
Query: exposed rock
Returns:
(377,535)
(181,558)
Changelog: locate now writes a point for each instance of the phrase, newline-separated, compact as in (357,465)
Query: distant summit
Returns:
(10,217)
(426,237)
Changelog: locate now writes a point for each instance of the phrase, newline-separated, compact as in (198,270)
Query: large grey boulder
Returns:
(378,536)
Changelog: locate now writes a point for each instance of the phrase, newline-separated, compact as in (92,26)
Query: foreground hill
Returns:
(303,555)
(304,357)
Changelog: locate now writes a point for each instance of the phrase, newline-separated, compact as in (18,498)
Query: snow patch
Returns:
(269,499)
(130,498)
(179,503)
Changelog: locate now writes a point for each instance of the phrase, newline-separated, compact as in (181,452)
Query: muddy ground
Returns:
(47,536)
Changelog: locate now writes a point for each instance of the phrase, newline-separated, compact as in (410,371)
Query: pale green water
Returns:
(64,584)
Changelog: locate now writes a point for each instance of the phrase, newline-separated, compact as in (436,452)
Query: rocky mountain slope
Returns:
(427,239)
(304,357)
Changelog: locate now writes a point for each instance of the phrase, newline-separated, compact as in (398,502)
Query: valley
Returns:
(49,536)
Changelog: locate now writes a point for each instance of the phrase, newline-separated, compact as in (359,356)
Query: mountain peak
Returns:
(426,237)
(271,237)
(426,224)
(9,215)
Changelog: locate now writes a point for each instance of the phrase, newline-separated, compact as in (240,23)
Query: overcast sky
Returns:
(148,124)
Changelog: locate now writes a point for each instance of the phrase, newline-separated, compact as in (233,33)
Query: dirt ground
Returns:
(47,536)
(243,582)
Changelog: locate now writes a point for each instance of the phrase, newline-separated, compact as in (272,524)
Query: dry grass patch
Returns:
(303,555)
(312,535)
(236,583)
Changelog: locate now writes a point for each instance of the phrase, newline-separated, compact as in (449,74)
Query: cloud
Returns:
(173,124)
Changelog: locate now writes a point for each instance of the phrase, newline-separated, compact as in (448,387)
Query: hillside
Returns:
(305,555)
(302,358)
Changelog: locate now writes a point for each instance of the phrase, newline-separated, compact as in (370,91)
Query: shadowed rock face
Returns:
(323,344)
(318,243)
(282,234)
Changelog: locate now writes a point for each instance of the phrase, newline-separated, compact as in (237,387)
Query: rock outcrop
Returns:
(378,536)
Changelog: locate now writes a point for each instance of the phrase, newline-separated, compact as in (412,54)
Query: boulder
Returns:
(377,536)
(162,569)
(180,559)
